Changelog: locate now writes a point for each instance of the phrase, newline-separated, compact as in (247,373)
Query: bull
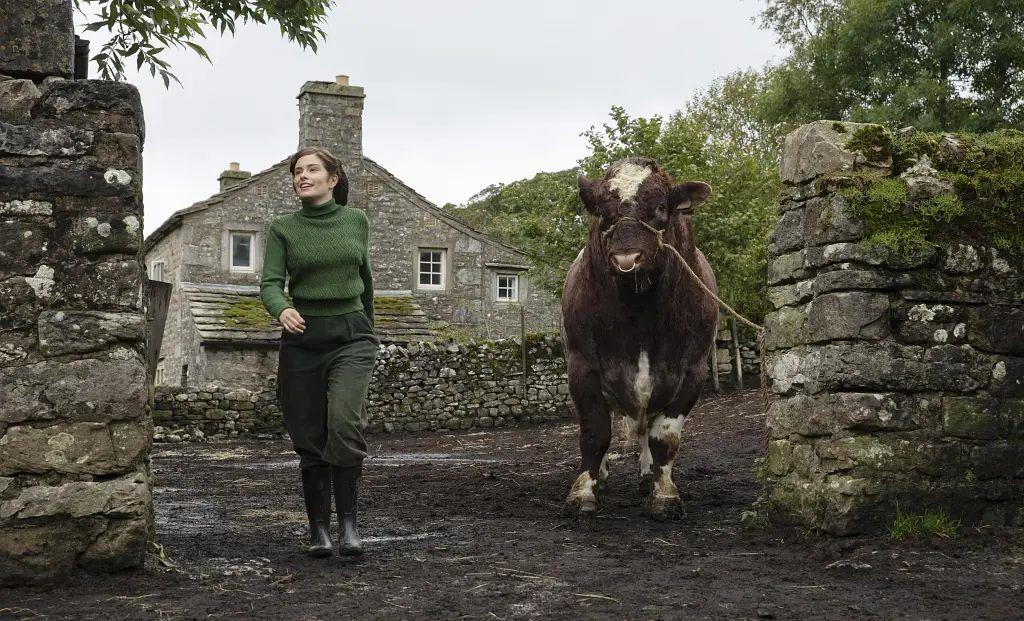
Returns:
(637,326)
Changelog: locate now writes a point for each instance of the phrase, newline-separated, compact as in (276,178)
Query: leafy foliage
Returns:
(933,64)
(143,29)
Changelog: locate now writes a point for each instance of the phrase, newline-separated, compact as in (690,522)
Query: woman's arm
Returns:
(367,275)
(272,281)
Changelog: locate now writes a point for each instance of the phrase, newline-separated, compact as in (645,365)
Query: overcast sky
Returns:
(460,94)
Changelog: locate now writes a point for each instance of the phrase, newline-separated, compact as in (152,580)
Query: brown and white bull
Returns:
(637,327)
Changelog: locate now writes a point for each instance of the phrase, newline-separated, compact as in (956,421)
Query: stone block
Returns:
(787,295)
(28,140)
(869,254)
(44,552)
(64,332)
(112,284)
(23,245)
(976,418)
(827,220)
(854,279)
(998,460)
(829,414)
(787,268)
(117,150)
(848,315)
(97,105)
(818,148)
(786,327)
(49,182)
(127,496)
(996,329)
(73,448)
(37,39)
(789,232)
(17,97)
(107,234)
(1007,378)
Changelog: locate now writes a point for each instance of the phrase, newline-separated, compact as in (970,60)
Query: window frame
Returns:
(497,287)
(443,263)
(152,269)
(251,268)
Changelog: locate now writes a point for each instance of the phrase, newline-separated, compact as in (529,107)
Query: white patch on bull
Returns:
(666,428)
(643,384)
(627,180)
(646,459)
(602,474)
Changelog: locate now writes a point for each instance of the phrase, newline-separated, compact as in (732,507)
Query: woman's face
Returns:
(312,183)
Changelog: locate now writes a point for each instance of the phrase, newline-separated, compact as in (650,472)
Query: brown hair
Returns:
(331,164)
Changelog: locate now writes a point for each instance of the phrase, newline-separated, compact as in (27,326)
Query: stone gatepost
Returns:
(74,427)
(897,378)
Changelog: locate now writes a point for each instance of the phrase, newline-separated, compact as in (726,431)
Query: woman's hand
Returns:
(292,321)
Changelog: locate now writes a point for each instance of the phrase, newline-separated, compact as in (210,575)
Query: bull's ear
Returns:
(686,196)
(588,194)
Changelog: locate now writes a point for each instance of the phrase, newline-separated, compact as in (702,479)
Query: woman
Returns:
(328,347)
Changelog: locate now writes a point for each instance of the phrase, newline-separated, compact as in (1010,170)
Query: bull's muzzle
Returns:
(626,262)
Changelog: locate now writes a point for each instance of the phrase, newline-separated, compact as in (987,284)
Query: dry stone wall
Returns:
(896,378)
(424,387)
(74,427)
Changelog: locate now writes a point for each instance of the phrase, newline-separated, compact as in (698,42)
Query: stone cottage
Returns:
(433,274)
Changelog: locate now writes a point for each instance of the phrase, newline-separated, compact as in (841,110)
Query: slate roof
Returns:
(233,314)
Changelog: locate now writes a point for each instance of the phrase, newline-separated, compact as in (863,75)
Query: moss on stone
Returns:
(873,141)
(984,208)
(244,312)
(393,305)
(839,127)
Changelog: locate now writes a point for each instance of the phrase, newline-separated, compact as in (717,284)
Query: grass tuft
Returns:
(930,524)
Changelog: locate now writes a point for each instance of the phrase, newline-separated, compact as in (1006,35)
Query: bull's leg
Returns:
(663,444)
(595,436)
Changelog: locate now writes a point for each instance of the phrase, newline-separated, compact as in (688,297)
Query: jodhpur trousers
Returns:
(323,376)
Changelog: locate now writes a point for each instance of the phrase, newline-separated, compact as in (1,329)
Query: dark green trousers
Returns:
(323,375)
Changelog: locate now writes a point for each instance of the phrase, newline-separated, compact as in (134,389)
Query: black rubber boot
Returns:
(346,494)
(316,489)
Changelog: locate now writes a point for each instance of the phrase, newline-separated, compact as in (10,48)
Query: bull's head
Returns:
(633,201)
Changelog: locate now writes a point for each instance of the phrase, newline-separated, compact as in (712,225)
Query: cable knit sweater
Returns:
(323,250)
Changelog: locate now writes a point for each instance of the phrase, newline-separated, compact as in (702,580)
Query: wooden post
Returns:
(739,358)
(522,339)
(714,366)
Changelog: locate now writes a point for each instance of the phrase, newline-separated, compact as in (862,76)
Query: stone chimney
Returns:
(331,116)
(232,176)
(37,39)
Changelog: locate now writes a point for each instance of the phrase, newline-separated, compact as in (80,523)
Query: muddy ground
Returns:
(468,526)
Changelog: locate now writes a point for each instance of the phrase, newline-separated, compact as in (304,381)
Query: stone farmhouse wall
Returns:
(425,387)
(896,378)
(74,428)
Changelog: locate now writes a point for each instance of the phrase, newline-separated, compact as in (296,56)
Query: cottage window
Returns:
(242,252)
(156,270)
(159,379)
(431,268)
(508,288)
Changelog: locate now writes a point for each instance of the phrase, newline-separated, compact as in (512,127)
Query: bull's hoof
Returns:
(580,506)
(663,508)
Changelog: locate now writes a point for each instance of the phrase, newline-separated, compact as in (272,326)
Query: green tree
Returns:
(717,137)
(143,29)
(938,65)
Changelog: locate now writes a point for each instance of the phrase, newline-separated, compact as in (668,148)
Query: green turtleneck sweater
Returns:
(323,250)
